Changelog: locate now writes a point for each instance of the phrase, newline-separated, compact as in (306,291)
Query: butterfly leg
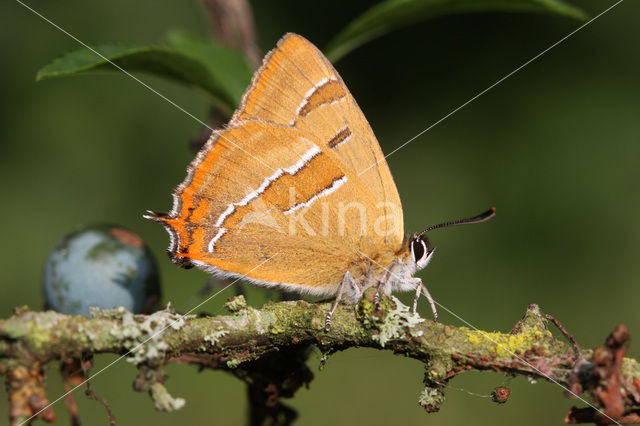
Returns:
(422,289)
(376,299)
(415,299)
(430,299)
(347,281)
(382,284)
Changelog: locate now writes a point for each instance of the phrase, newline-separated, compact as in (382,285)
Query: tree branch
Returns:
(250,343)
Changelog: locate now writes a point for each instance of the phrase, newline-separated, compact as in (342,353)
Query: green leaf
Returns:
(220,72)
(228,67)
(391,15)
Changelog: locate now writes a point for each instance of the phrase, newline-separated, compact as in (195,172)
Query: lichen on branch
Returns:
(250,342)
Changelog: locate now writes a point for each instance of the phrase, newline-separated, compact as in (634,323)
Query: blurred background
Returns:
(556,148)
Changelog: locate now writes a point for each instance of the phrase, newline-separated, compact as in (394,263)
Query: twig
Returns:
(72,375)
(250,344)
(232,23)
(86,364)
(576,347)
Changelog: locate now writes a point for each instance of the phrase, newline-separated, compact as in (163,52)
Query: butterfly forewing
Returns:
(259,191)
(297,86)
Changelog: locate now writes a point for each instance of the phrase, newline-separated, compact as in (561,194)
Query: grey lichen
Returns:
(214,338)
(115,313)
(431,399)
(163,400)
(396,323)
(143,335)
(236,304)
(252,334)
(152,379)
(233,363)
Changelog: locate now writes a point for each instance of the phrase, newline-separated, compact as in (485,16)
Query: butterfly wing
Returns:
(297,86)
(260,191)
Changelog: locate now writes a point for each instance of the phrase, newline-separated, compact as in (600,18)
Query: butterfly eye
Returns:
(419,250)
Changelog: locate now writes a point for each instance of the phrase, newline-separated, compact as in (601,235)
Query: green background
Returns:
(555,147)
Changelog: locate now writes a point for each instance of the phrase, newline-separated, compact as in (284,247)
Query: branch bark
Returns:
(232,25)
(250,343)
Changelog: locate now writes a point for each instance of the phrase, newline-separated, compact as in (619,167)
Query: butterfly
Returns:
(295,192)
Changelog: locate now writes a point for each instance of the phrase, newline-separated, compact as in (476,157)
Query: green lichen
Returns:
(236,304)
(437,368)
(275,329)
(40,337)
(264,320)
(34,327)
(365,308)
(630,367)
(16,329)
(233,363)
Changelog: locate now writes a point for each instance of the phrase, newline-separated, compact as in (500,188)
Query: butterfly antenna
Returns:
(476,219)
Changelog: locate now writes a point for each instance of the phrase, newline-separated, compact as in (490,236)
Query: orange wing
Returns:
(297,86)
(259,190)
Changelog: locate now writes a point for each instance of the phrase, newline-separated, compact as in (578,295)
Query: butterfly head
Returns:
(420,248)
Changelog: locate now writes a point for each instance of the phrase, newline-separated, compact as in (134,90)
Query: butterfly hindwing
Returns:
(297,86)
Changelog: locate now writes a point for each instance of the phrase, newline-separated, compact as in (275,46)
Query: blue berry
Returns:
(103,266)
